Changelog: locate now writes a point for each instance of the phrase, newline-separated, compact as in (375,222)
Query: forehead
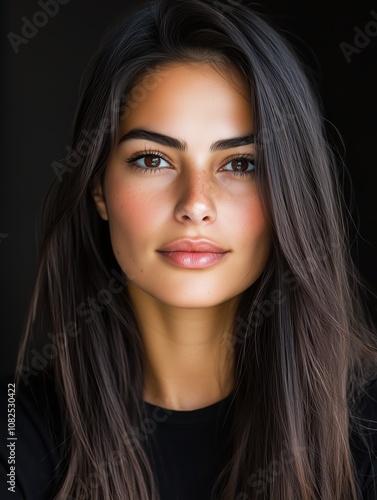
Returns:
(187,95)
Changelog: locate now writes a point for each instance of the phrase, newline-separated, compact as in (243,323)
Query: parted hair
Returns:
(304,347)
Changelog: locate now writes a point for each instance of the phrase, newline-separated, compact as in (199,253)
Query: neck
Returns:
(188,362)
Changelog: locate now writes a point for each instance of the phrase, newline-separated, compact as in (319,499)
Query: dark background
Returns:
(40,87)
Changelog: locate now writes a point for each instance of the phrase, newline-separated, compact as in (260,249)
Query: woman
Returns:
(205,335)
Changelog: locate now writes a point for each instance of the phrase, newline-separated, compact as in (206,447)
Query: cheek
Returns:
(132,215)
(255,239)
(128,210)
(250,222)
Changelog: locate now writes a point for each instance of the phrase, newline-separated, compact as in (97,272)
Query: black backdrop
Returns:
(40,83)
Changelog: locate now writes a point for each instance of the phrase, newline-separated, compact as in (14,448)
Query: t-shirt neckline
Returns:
(207,413)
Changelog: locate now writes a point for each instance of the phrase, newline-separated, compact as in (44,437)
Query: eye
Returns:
(241,165)
(149,161)
(153,161)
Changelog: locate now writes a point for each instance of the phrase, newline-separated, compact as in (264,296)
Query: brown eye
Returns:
(240,164)
(152,161)
(149,162)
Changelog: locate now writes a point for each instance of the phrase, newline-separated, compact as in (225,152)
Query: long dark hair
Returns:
(303,348)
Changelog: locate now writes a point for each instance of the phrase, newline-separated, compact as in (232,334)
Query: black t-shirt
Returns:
(184,447)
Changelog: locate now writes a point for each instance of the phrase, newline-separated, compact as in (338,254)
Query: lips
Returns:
(192,245)
(189,253)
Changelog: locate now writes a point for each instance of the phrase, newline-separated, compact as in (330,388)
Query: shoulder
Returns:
(31,455)
(363,441)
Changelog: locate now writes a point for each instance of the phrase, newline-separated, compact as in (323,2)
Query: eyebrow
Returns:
(171,142)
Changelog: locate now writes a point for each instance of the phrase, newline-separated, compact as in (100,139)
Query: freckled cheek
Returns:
(252,225)
(132,214)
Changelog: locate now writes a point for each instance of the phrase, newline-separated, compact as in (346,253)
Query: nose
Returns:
(195,203)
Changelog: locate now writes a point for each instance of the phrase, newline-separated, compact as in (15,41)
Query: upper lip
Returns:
(192,245)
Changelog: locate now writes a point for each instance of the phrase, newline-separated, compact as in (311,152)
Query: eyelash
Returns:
(159,154)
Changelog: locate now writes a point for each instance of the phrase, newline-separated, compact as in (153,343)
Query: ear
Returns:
(99,199)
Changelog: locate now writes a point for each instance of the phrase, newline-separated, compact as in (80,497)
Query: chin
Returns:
(202,299)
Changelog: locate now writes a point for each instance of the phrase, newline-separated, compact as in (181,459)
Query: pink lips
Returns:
(193,254)
(190,245)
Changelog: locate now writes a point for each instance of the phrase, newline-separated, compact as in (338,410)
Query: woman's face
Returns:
(191,186)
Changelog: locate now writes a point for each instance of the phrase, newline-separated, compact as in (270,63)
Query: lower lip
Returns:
(193,260)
